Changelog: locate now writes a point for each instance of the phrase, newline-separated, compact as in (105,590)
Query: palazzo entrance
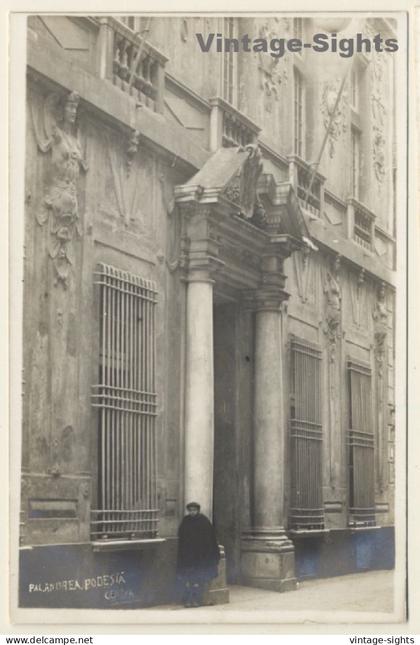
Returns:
(233,374)
(234,421)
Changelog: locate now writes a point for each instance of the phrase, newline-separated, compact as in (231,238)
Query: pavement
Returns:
(370,591)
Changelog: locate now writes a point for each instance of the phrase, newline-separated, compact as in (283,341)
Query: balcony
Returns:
(229,127)
(131,64)
(309,187)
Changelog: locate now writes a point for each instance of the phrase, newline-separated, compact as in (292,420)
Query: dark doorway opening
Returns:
(226,503)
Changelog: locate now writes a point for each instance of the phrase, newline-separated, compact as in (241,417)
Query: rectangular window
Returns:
(125,397)
(307,511)
(230,69)
(298,111)
(361,447)
(355,162)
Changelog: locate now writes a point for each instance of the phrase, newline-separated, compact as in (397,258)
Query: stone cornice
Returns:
(350,252)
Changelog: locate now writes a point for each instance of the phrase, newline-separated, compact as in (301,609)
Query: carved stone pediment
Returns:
(232,180)
(229,178)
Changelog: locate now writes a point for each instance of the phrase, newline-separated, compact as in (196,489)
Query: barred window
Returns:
(307,511)
(125,397)
(361,446)
(298,112)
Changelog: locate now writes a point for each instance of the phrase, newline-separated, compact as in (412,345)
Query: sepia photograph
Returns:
(213,317)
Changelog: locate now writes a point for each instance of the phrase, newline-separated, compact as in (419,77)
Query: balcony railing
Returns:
(362,232)
(229,127)
(308,186)
(360,224)
(132,64)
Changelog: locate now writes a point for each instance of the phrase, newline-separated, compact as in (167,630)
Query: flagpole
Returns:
(139,51)
(327,132)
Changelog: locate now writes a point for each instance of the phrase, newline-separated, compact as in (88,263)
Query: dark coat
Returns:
(198,551)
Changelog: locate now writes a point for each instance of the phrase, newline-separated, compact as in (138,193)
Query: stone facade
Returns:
(133,163)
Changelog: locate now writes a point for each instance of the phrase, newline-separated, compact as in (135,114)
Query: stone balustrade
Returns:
(229,127)
(132,64)
(309,188)
(361,224)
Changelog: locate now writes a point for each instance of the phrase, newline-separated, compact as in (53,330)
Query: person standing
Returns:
(198,555)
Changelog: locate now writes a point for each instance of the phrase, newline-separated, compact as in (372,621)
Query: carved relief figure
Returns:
(60,206)
(328,102)
(303,273)
(357,294)
(250,174)
(242,189)
(332,290)
(380,317)
(378,111)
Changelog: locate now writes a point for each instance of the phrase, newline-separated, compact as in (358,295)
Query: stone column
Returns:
(203,263)
(199,397)
(267,555)
(268,421)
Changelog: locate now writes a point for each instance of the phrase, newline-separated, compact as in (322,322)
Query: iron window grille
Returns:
(307,509)
(126,399)
(361,446)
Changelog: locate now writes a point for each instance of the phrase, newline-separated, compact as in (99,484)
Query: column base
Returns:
(218,592)
(268,559)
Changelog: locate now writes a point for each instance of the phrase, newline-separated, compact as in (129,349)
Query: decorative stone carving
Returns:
(332,290)
(242,189)
(380,317)
(132,149)
(60,207)
(85,490)
(333,331)
(338,125)
(232,191)
(378,111)
(126,187)
(251,171)
(259,218)
(273,71)
(356,295)
(301,262)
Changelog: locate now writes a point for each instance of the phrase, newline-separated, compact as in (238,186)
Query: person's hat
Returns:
(191,505)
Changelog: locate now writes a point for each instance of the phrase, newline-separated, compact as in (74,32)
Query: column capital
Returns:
(202,267)
(271,292)
(202,243)
(266,298)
